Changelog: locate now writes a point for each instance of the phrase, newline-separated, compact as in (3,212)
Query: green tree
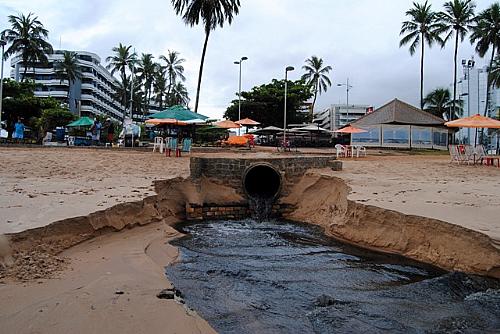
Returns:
(486,35)
(439,103)
(146,70)
(179,95)
(265,103)
(317,77)
(68,69)
(422,27)
(27,37)
(456,18)
(174,68)
(160,86)
(120,61)
(211,13)
(54,117)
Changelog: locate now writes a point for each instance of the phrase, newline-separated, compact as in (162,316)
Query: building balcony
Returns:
(54,93)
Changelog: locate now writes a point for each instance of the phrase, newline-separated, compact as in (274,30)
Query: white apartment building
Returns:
(92,95)
(339,115)
(471,89)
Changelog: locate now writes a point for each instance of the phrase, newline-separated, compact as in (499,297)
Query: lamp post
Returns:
(347,88)
(239,90)
(287,69)
(467,65)
(2,44)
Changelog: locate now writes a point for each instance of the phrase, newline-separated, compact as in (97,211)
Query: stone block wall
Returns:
(229,211)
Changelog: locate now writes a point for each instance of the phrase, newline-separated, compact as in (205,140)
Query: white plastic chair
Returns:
(360,149)
(341,150)
(158,142)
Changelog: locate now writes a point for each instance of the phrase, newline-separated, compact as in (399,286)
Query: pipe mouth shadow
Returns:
(262,181)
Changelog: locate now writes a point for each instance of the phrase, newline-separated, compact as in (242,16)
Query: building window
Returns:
(396,135)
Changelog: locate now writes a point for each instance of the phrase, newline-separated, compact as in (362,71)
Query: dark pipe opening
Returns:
(262,181)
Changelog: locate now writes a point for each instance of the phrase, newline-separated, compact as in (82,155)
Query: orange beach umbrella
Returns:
(247,122)
(165,121)
(476,121)
(350,129)
(227,124)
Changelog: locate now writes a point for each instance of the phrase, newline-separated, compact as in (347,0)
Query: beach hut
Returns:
(398,124)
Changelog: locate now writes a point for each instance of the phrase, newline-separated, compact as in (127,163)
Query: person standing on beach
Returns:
(18,130)
(111,129)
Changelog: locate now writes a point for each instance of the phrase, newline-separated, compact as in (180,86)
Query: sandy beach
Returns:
(109,282)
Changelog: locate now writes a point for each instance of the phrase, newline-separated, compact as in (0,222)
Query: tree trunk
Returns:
(25,64)
(452,111)
(488,81)
(314,101)
(207,32)
(422,41)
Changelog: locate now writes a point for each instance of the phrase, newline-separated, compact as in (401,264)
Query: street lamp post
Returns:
(347,88)
(287,69)
(467,65)
(2,44)
(239,89)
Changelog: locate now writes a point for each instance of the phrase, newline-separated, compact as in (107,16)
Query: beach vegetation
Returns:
(266,102)
(211,14)
(422,27)
(456,18)
(27,37)
(68,69)
(145,72)
(439,103)
(316,76)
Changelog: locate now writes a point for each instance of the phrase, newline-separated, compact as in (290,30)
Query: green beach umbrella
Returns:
(83,121)
(179,113)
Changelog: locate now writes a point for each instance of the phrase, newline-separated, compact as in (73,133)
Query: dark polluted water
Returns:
(282,277)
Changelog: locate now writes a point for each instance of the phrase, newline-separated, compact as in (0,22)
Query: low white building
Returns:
(339,115)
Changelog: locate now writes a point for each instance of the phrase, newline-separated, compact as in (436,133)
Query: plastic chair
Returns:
(341,150)
(158,142)
(172,145)
(360,149)
(186,146)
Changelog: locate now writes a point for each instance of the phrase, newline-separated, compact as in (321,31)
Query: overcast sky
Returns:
(358,38)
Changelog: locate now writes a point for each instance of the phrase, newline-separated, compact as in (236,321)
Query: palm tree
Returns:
(160,85)
(439,103)
(174,68)
(456,17)
(179,95)
(486,35)
(495,72)
(422,27)
(146,70)
(211,13)
(317,77)
(68,69)
(122,60)
(27,37)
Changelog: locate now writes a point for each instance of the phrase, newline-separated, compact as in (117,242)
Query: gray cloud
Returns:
(359,39)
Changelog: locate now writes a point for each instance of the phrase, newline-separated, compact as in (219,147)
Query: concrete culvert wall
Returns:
(262,181)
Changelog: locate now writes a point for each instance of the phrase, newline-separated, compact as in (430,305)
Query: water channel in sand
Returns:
(282,277)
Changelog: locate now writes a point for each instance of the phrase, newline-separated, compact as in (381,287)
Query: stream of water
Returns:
(282,277)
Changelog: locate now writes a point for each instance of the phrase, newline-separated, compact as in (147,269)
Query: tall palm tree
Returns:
(68,69)
(160,85)
(456,18)
(179,95)
(211,13)
(146,70)
(317,77)
(28,38)
(422,27)
(174,68)
(486,35)
(122,60)
(439,103)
